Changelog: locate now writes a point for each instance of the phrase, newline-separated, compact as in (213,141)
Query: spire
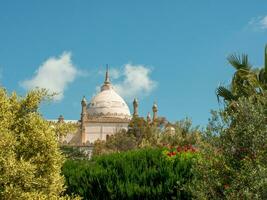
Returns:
(107,75)
(107,84)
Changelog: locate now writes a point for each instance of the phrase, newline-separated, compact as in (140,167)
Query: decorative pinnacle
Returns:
(148,117)
(135,105)
(107,81)
(83,101)
(155,107)
(60,118)
(107,85)
(135,102)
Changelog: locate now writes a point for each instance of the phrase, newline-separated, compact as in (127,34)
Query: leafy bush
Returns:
(72,152)
(233,164)
(121,141)
(139,174)
(184,134)
(30,160)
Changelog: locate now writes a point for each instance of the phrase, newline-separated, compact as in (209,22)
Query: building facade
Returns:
(104,115)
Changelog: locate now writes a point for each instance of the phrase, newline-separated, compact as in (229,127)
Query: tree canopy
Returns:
(30,160)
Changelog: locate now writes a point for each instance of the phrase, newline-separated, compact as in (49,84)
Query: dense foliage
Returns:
(30,160)
(73,152)
(183,134)
(139,174)
(143,134)
(233,164)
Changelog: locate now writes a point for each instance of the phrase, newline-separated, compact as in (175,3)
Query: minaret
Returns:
(83,117)
(60,118)
(148,118)
(155,112)
(107,84)
(135,106)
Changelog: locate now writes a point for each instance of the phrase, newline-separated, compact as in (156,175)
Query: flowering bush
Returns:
(186,152)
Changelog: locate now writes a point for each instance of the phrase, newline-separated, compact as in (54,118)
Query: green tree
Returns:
(30,159)
(121,141)
(183,134)
(233,164)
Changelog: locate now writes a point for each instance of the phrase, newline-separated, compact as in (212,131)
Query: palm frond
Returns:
(225,93)
(239,62)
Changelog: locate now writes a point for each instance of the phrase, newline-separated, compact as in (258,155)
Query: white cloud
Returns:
(54,74)
(133,81)
(263,22)
(258,23)
(114,73)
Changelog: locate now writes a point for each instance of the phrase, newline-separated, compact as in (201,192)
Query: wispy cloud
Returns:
(132,81)
(258,23)
(55,74)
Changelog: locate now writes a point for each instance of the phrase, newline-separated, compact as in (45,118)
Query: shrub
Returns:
(121,141)
(30,160)
(233,164)
(139,174)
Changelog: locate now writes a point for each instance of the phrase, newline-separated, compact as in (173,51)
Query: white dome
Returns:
(108,104)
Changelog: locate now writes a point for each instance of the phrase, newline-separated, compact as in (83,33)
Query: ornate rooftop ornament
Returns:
(135,106)
(107,84)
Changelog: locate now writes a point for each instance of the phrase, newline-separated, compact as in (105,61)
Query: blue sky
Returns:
(179,49)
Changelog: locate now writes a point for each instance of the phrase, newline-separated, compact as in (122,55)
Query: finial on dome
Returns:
(107,75)
(107,85)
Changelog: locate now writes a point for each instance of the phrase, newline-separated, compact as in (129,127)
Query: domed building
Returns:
(106,114)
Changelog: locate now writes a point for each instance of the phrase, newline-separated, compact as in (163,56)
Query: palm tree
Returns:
(246,80)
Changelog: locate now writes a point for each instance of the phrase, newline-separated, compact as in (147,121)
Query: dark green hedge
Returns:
(139,174)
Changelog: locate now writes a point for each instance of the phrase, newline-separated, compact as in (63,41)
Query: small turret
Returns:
(83,117)
(148,118)
(60,118)
(83,102)
(155,112)
(135,106)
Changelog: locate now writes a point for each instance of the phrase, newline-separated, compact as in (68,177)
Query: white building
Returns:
(106,114)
